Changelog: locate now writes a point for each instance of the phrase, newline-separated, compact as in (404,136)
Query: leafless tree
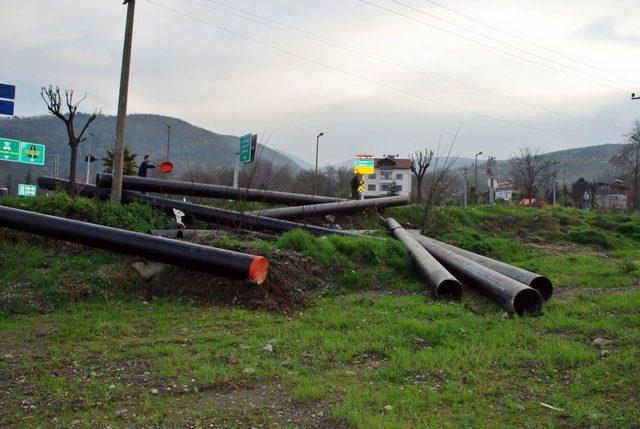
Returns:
(420,162)
(54,102)
(440,175)
(530,170)
(627,161)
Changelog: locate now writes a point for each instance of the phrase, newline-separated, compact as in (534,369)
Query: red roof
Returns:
(398,163)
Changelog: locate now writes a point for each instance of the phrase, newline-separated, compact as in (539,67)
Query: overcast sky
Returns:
(370,87)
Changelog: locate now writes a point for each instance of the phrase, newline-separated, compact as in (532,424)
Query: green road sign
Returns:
(27,190)
(32,153)
(245,149)
(9,150)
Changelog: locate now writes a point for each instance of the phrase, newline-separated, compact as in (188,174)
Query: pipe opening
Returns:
(258,270)
(449,289)
(527,301)
(542,285)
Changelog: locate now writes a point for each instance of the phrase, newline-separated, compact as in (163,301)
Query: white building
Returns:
(388,172)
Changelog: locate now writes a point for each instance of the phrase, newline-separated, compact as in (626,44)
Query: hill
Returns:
(146,134)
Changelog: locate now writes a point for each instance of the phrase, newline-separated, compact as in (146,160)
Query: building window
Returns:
(384,187)
(398,188)
(385,175)
(398,176)
(371,188)
(372,176)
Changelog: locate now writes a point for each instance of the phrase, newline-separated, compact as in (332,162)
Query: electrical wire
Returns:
(510,45)
(366,79)
(477,42)
(537,45)
(300,32)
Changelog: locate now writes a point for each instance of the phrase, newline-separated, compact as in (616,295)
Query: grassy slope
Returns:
(371,344)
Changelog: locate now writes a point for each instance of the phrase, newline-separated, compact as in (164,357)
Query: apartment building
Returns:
(389,171)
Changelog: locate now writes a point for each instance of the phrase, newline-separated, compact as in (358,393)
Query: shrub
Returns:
(589,236)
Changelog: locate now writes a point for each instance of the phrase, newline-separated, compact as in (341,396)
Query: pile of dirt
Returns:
(290,277)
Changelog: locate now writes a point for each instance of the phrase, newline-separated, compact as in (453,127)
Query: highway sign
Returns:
(32,153)
(6,107)
(27,190)
(7,91)
(9,150)
(361,188)
(248,145)
(363,166)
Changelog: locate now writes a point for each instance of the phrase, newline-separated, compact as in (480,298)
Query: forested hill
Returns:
(145,134)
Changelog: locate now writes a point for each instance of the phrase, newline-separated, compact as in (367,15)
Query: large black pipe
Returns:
(513,296)
(331,208)
(536,281)
(204,213)
(442,283)
(193,233)
(174,252)
(143,184)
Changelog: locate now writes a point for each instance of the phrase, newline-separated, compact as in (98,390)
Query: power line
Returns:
(300,32)
(537,45)
(363,78)
(533,54)
(462,36)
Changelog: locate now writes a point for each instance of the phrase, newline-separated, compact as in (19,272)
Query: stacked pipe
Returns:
(143,184)
(442,283)
(200,212)
(332,208)
(517,291)
(174,252)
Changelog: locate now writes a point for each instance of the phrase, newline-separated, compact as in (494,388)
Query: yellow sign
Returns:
(363,166)
(361,188)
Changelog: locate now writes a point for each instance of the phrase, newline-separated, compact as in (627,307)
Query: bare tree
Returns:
(442,162)
(530,170)
(628,162)
(53,99)
(420,162)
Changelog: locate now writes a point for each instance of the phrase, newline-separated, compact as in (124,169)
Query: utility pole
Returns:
(89,158)
(315,177)
(118,155)
(555,174)
(564,183)
(466,185)
(475,180)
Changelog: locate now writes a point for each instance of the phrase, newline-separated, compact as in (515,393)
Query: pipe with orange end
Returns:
(174,252)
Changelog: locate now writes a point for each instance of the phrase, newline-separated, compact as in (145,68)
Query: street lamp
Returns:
(315,177)
(89,159)
(476,172)
(168,138)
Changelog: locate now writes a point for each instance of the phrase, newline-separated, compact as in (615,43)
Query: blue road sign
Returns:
(6,107)
(7,91)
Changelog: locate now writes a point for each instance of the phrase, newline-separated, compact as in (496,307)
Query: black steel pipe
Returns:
(174,252)
(192,233)
(534,280)
(441,282)
(513,296)
(204,213)
(143,184)
(331,208)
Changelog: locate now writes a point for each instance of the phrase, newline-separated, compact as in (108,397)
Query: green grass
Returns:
(369,353)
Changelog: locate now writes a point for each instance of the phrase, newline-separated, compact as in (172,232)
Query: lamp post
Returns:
(168,139)
(89,159)
(475,181)
(315,177)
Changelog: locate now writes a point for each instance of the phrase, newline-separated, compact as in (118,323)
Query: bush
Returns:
(589,236)
(134,217)
(630,229)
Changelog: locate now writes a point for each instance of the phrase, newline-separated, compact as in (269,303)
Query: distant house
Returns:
(611,195)
(389,173)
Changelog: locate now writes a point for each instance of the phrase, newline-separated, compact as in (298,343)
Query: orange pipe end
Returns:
(258,269)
